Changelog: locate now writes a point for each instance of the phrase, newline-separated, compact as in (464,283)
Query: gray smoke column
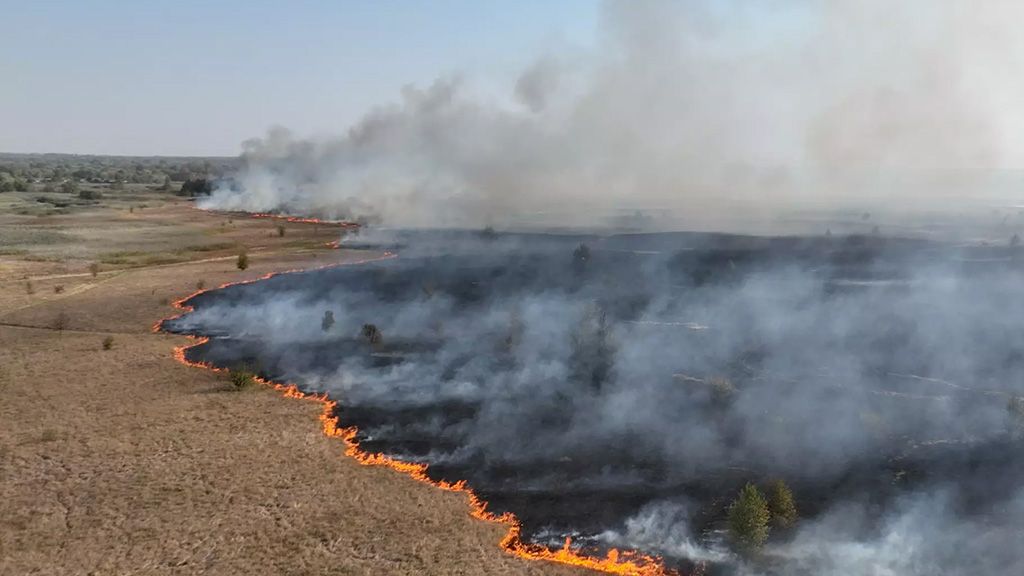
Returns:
(622,395)
(702,108)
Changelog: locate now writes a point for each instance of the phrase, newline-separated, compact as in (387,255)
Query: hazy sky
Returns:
(198,78)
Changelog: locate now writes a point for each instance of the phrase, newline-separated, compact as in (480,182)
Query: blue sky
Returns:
(190,77)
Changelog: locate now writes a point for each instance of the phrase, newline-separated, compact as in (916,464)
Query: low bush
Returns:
(241,378)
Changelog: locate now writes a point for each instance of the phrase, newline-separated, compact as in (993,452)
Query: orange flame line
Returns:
(625,563)
(302,220)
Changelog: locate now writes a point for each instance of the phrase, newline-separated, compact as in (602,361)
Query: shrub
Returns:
(722,390)
(108,342)
(280,231)
(90,195)
(241,378)
(328,321)
(201,284)
(29,288)
(60,322)
(243,261)
(94,269)
(781,505)
(372,334)
(58,289)
(580,257)
(748,519)
(193,187)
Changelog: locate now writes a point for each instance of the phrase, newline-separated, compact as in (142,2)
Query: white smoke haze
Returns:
(877,376)
(921,536)
(877,388)
(717,113)
(663,527)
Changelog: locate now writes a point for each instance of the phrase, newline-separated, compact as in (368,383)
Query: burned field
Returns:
(622,390)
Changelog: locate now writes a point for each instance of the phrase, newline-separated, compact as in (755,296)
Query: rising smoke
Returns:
(711,111)
(624,396)
(655,376)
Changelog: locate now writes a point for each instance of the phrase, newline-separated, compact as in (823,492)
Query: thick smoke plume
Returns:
(704,113)
(622,393)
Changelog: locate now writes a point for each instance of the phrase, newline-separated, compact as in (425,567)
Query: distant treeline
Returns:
(19,171)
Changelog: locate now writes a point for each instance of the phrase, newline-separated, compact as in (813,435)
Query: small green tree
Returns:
(108,342)
(243,261)
(748,519)
(328,321)
(781,504)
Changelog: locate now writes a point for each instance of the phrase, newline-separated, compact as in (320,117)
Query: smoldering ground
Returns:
(710,114)
(623,393)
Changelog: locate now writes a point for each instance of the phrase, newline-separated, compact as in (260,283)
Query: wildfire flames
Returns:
(303,220)
(627,563)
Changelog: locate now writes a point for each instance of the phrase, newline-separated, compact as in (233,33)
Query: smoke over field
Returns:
(622,389)
(709,113)
(626,390)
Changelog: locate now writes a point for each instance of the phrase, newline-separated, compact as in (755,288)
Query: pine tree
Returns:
(781,505)
(748,519)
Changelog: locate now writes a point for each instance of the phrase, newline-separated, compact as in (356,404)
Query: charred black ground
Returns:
(622,389)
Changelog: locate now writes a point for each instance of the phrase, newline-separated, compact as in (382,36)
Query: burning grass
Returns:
(626,563)
(440,358)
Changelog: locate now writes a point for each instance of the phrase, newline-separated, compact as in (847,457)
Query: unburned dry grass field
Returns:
(124,461)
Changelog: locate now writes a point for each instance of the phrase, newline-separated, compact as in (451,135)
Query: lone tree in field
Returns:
(372,334)
(781,505)
(94,269)
(748,519)
(243,260)
(328,321)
